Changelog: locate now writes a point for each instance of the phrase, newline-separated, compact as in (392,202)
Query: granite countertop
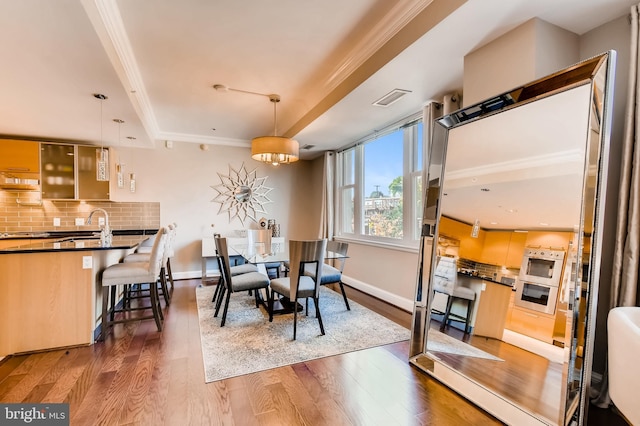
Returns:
(65,234)
(483,278)
(77,243)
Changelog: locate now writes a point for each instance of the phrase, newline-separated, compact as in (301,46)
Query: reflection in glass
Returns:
(527,161)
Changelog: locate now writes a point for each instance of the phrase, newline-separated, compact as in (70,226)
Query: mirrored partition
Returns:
(507,281)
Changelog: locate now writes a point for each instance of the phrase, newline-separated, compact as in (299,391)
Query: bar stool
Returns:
(165,269)
(445,282)
(132,273)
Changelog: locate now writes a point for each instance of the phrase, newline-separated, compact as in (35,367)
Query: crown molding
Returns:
(399,16)
(107,22)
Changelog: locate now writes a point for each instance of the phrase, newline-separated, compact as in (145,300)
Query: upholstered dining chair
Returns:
(133,273)
(445,282)
(333,274)
(237,266)
(302,254)
(261,239)
(236,283)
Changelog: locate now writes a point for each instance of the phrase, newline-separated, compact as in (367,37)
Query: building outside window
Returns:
(379,186)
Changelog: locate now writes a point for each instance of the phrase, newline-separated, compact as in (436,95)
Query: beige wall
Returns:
(530,51)
(180,179)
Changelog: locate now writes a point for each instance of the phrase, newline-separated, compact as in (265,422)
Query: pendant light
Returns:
(102,156)
(274,149)
(119,164)
(132,176)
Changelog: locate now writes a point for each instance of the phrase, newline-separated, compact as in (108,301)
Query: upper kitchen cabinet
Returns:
(19,164)
(58,171)
(89,188)
(69,173)
(504,248)
(470,247)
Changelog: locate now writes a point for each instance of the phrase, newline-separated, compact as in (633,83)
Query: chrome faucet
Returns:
(105,232)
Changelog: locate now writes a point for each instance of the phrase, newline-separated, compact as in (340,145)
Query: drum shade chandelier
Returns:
(274,150)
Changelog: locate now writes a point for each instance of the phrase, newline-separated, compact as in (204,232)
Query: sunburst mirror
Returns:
(241,194)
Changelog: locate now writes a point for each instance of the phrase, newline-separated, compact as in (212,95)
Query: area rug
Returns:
(249,342)
(440,342)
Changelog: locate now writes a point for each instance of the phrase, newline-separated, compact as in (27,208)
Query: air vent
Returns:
(391,97)
(308,146)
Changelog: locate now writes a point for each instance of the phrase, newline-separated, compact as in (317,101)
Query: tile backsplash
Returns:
(34,217)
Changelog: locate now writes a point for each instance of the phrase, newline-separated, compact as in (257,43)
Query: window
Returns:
(376,180)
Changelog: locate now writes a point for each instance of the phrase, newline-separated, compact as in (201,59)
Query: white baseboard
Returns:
(394,299)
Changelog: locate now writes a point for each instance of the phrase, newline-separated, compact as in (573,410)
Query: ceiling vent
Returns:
(307,146)
(391,97)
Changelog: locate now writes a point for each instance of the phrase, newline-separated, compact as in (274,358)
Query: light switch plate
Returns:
(56,221)
(79,221)
(101,221)
(87,262)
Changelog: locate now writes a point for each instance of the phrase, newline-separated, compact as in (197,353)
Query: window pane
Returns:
(349,167)
(347,219)
(419,159)
(418,206)
(383,173)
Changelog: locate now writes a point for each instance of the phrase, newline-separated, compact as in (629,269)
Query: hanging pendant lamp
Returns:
(102,156)
(274,149)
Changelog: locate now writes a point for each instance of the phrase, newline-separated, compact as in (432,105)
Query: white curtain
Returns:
(624,279)
(327,219)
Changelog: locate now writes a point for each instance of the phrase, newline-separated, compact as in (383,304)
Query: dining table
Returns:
(261,253)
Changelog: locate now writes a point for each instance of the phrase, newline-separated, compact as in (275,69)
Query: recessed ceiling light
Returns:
(391,97)
(544,224)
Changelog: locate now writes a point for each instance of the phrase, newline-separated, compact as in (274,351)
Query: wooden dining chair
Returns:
(235,283)
(302,254)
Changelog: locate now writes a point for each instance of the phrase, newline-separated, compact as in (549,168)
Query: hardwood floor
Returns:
(141,377)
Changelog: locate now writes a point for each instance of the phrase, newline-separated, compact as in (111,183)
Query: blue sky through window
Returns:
(382,162)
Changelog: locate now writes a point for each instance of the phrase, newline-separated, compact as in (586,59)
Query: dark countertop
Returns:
(478,277)
(65,234)
(75,244)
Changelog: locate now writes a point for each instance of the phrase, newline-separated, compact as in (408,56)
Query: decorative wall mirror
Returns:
(519,182)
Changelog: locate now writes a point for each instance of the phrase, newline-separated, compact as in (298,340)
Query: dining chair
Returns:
(237,266)
(235,283)
(333,274)
(297,285)
(133,273)
(260,239)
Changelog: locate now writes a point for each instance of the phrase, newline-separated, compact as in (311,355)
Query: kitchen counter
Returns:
(483,278)
(50,290)
(75,243)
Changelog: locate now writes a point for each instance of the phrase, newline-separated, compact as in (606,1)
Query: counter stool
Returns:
(445,282)
(461,293)
(165,269)
(133,273)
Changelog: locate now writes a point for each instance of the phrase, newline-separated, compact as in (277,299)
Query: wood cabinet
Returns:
(470,248)
(492,312)
(19,156)
(533,324)
(19,165)
(47,306)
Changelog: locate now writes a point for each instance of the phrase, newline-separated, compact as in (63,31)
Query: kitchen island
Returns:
(49,291)
(490,307)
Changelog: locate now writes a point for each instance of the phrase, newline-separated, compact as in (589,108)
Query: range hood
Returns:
(19,181)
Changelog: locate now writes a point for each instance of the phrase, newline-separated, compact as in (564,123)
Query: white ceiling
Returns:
(157,61)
